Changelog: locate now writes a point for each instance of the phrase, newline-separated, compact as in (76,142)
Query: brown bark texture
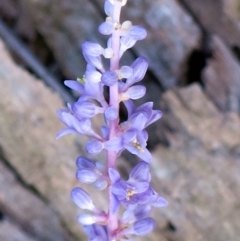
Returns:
(193,48)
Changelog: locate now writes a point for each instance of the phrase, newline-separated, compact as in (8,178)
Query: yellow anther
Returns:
(82,80)
(130,193)
(137,145)
(116,25)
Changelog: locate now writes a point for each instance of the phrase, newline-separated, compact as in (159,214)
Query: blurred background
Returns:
(193,48)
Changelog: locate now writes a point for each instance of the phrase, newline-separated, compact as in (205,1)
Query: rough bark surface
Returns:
(195,146)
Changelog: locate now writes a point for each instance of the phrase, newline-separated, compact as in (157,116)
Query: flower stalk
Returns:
(112,224)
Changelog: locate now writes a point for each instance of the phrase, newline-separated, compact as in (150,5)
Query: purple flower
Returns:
(140,227)
(96,232)
(129,192)
(94,147)
(88,90)
(136,190)
(85,109)
(75,126)
(134,140)
(91,52)
(109,78)
(134,213)
(92,75)
(139,67)
(150,115)
(119,83)
(91,172)
(82,199)
(134,34)
(135,92)
(91,218)
(111,113)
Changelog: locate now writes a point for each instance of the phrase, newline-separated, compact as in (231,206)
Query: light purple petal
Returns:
(129,106)
(126,72)
(95,90)
(64,132)
(86,175)
(160,202)
(141,138)
(139,122)
(109,78)
(114,144)
(108,8)
(106,28)
(127,42)
(113,175)
(93,76)
(137,32)
(157,114)
(101,184)
(115,205)
(104,131)
(83,162)
(129,136)
(140,172)
(139,66)
(94,147)
(82,199)
(92,49)
(96,232)
(139,187)
(142,211)
(84,109)
(143,226)
(84,127)
(120,190)
(145,155)
(111,113)
(95,61)
(135,92)
(75,85)
(88,219)
(146,109)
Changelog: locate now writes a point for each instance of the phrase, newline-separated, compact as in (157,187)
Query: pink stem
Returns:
(114,101)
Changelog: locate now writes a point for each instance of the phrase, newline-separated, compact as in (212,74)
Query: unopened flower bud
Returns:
(126,25)
(139,66)
(93,76)
(83,162)
(135,92)
(84,109)
(88,219)
(123,2)
(125,72)
(109,78)
(82,199)
(111,113)
(137,32)
(94,147)
(106,28)
(101,184)
(86,175)
(108,53)
(141,227)
(108,8)
(92,49)
(127,42)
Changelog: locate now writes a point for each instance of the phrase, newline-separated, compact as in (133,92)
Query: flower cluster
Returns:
(135,195)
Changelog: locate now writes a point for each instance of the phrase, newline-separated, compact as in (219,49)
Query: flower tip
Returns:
(82,199)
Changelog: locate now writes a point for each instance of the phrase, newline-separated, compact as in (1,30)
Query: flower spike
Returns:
(120,84)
